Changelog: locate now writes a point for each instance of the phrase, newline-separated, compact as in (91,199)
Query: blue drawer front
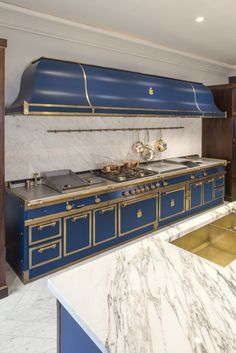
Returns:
(208,190)
(219,181)
(219,192)
(77,233)
(137,214)
(172,203)
(196,195)
(44,254)
(105,224)
(44,231)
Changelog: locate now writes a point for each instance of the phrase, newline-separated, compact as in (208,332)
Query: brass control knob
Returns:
(152,187)
(137,191)
(97,200)
(126,193)
(147,188)
(132,192)
(142,189)
(69,207)
(192,177)
(158,184)
(165,183)
(205,174)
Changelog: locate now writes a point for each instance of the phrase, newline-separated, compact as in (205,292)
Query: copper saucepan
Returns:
(131,164)
(109,168)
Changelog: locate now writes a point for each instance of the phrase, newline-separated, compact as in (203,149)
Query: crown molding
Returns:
(168,55)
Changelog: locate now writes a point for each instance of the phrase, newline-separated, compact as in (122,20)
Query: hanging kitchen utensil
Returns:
(138,146)
(161,145)
(149,152)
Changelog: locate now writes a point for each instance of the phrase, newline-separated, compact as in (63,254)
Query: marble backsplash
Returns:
(30,148)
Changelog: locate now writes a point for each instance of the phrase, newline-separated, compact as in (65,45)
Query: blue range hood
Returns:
(56,87)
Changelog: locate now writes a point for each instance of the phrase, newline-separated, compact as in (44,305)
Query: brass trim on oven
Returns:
(219,188)
(121,234)
(201,194)
(89,213)
(212,191)
(219,177)
(45,223)
(175,214)
(59,242)
(114,207)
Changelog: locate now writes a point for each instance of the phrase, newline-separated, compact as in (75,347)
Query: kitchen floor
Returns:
(27,317)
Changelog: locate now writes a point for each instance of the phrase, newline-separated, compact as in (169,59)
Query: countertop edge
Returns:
(76,317)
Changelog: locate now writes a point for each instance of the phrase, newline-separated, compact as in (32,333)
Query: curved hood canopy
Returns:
(56,87)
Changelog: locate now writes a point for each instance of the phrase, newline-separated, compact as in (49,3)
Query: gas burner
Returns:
(125,174)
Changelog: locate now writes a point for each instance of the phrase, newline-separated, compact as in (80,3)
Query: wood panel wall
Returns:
(3,286)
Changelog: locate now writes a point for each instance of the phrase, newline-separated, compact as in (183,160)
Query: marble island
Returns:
(149,297)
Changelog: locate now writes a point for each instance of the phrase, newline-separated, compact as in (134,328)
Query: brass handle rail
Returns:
(121,129)
(53,224)
(41,250)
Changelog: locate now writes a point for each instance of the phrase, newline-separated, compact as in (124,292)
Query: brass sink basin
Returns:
(215,242)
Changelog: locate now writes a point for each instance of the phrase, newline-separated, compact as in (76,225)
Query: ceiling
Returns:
(169,23)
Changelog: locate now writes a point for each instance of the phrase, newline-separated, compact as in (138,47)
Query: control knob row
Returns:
(140,189)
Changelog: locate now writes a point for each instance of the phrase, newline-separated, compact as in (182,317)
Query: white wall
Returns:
(30,148)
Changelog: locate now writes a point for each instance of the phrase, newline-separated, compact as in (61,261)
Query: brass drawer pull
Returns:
(107,210)
(53,224)
(220,177)
(80,205)
(41,250)
(209,181)
(171,192)
(80,217)
(198,184)
(172,203)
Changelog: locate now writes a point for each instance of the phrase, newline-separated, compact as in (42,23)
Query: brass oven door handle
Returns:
(41,250)
(53,224)
(172,203)
(107,210)
(80,217)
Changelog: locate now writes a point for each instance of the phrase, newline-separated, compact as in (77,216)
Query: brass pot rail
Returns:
(120,129)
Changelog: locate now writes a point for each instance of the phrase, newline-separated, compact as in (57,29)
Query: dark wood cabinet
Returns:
(219,135)
(3,286)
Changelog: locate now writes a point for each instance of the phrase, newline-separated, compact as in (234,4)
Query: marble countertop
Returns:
(153,297)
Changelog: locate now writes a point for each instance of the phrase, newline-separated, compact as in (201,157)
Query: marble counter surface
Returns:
(153,297)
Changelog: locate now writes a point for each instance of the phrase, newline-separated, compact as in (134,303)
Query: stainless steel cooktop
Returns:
(66,180)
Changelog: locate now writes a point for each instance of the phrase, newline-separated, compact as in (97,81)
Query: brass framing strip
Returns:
(65,253)
(59,242)
(195,99)
(114,207)
(31,242)
(86,87)
(109,108)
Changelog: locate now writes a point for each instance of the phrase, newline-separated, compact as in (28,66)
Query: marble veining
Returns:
(153,297)
(29,148)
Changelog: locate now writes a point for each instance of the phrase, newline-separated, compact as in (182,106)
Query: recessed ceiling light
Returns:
(199,19)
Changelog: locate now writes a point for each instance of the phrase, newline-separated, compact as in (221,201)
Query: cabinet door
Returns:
(196,195)
(77,233)
(172,203)
(208,190)
(134,215)
(104,224)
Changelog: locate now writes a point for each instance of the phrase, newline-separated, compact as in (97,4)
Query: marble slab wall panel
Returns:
(30,148)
